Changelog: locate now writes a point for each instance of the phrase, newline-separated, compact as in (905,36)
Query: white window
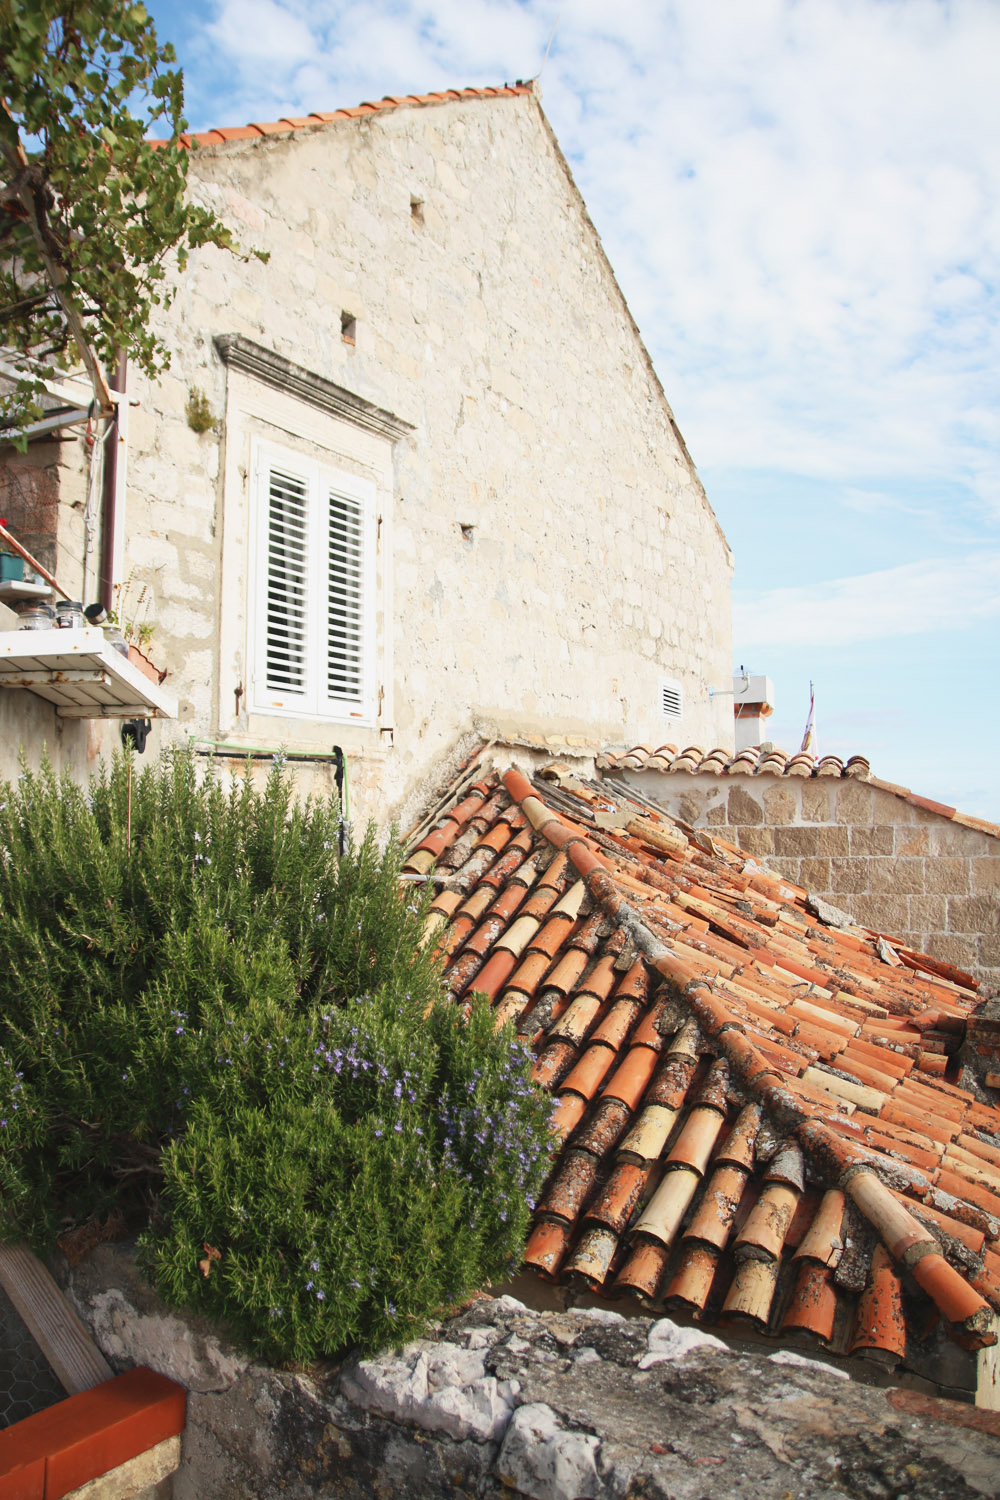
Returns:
(313,609)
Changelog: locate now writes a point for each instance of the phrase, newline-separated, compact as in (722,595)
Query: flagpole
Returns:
(808,746)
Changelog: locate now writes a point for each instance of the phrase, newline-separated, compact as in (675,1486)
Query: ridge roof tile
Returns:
(758,760)
(290,124)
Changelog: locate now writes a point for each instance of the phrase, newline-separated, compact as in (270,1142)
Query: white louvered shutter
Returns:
(286,608)
(346,602)
(313,611)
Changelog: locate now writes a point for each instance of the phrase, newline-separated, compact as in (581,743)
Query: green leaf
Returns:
(88,92)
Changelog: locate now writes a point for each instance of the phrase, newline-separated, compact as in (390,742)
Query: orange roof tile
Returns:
(292,123)
(680,1057)
(759,760)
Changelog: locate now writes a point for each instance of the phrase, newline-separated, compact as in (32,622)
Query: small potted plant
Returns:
(138,638)
(136,629)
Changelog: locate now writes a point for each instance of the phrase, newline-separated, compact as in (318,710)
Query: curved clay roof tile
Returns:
(774,761)
(688,761)
(635,758)
(718,756)
(830,765)
(625,1106)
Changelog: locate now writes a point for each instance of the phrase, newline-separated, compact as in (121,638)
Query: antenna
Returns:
(547,50)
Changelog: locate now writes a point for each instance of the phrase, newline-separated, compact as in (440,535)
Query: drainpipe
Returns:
(114,473)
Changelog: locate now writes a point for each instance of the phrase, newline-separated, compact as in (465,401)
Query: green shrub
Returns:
(215,1026)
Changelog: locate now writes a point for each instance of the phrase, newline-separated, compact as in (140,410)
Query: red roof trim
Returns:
(79,1439)
(221,135)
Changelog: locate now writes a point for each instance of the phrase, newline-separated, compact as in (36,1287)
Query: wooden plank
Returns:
(51,1321)
(988,1373)
(54,677)
(97,710)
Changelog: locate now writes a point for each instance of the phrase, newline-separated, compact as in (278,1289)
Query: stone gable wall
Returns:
(551,550)
(903,870)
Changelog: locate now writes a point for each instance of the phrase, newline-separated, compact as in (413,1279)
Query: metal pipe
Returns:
(256,752)
(48,424)
(32,562)
(106,578)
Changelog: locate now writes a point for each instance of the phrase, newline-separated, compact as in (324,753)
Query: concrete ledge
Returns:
(51,1455)
(146,1477)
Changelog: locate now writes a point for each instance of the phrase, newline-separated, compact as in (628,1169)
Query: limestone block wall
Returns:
(43,494)
(548,553)
(896,866)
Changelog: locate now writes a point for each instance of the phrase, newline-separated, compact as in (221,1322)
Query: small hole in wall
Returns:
(348,328)
(417,210)
(468,529)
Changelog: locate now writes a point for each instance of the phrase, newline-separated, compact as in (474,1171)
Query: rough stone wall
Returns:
(904,870)
(594,565)
(42,497)
(503,1401)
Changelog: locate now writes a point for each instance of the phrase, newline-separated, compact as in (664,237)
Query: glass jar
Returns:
(35,616)
(69,614)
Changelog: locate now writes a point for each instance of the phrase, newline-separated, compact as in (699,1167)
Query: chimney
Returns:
(752,700)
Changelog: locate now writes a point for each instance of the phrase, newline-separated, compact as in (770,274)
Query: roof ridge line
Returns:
(221,135)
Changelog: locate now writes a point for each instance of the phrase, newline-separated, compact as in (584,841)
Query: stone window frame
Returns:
(272,401)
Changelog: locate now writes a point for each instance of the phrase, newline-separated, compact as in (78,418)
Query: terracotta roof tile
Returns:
(760,761)
(290,124)
(684,1009)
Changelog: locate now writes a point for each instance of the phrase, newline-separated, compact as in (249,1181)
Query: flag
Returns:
(808,746)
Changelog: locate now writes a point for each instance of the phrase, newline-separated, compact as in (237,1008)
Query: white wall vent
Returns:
(671,699)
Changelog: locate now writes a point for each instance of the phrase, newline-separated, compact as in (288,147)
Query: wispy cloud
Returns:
(910,600)
(801,197)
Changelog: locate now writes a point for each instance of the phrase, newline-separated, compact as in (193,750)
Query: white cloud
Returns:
(260,32)
(800,196)
(929,596)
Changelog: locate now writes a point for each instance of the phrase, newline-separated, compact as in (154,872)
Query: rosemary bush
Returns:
(214,1026)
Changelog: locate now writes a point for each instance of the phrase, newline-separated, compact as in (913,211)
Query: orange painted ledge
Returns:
(58,1450)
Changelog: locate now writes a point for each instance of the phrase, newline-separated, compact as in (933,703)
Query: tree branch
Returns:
(56,273)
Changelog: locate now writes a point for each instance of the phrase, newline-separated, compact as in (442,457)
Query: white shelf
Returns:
(19,588)
(81,674)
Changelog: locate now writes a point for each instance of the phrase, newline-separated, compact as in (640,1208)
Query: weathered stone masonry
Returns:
(546,555)
(504,1402)
(893,864)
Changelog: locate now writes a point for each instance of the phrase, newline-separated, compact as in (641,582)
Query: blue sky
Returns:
(801,200)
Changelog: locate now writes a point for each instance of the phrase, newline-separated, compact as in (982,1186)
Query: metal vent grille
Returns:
(671,700)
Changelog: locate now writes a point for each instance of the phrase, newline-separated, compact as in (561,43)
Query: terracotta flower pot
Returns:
(141,660)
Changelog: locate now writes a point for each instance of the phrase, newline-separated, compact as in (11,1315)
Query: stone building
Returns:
(897,862)
(413,477)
